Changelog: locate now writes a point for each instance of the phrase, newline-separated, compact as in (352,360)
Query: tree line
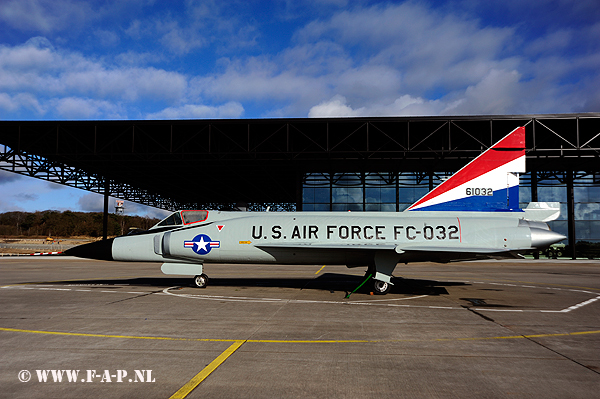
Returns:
(68,224)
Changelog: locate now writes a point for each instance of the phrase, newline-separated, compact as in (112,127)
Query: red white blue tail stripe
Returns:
(489,183)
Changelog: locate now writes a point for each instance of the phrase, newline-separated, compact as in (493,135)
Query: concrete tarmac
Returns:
(487,329)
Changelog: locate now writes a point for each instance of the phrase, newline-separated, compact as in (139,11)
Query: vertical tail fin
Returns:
(489,183)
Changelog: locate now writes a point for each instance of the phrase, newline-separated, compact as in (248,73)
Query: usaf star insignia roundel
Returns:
(202,244)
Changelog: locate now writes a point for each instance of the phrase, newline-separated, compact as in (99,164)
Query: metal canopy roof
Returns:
(190,163)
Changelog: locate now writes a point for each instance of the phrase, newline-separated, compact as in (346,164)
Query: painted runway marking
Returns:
(566,310)
(372,302)
(319,271)
(388,300)
(580,305)
(51,288)
(236,344)
(201,376)
(287,341)
(279,300)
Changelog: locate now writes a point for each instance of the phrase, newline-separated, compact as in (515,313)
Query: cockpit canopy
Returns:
(182,218)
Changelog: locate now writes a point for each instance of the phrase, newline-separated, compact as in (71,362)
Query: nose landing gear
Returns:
(200,281)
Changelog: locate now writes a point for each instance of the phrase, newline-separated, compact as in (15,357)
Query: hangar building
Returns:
(330,164)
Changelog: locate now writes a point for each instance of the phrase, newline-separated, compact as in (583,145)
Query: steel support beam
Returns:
(105,214)
(534,198)
(571,212)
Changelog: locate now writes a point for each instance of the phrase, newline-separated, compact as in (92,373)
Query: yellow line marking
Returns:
(320,269)
(282,341)
(201,376)
(116,336)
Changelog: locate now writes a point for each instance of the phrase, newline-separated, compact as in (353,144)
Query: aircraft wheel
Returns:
(201,281)
(381,287)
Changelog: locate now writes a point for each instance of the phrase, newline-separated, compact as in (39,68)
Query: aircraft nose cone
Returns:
(544,238)
(101,250)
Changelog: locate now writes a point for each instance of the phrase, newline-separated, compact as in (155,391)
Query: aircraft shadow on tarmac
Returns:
(331,282)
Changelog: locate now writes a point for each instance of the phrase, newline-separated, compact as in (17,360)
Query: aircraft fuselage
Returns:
(314,237)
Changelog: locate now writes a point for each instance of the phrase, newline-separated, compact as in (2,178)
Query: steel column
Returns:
(571,212)
(105,215)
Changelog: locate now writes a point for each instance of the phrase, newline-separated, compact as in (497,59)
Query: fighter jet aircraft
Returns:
(472,215)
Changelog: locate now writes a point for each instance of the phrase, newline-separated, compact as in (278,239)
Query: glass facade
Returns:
(380,192)
(375,192)
(552,187)
(397,191)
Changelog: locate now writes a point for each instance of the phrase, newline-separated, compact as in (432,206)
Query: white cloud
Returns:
(129,84)
(7,103)
(257,79)
(429,48)
(92,202)
(8,177)
(497,93)
(136,29)
(36,55)
(37,67)
(85,108)
(107,38)
(555,40)
(42,76)
(197,111)
(390,59)
(135,58)
(336,107)
(449,64)
(181,41)
(381,60)
(21,101)
(26,197)
(592,103)
(45,15)
(404,105)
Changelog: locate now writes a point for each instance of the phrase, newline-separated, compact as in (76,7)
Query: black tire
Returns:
(200,281)
(381,287)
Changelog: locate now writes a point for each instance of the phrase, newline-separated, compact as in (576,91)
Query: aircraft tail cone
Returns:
(101,250)
(541,238)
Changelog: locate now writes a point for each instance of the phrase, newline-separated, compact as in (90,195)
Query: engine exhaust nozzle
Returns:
(541,238)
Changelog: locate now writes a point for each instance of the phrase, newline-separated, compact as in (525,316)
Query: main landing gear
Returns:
(200,281)
(381,271)
(378,287)
(381,287)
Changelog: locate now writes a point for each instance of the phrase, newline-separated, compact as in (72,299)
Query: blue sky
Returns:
(145,59)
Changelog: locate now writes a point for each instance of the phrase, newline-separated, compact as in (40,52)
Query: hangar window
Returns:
(316,192)
(380,192)
(347,192)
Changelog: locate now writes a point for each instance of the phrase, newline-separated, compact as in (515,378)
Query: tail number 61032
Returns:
(487,192)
